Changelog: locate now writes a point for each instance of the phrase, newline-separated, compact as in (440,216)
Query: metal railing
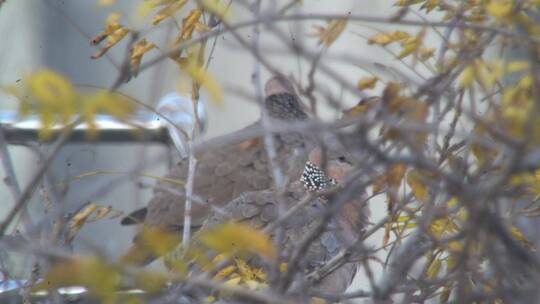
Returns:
(172,123)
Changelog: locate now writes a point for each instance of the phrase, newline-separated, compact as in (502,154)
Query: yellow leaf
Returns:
(231,238)
(225,272)
(105,2)
(113,21)
(391,178)
(201,77)
(519,236)
(517,65)
(143,8)
(381,39)
(429,5)
(482,153)
(217,8)
(251,284)
(51,97)
(100,213)
(112,39)
(426,53)
(455,246)
(441,226)
(451,262)
(100,278)
(445,294)
(414,180)
(112,24)
(153,241)
(363,105)
(168,11)
(466,77)
(188,25)
(79,219)
(52,89)
(233,282)
(137,51)
(327,35)
(408,48)
(367,82)
(201,27)
(407,2)
(400,35)
(150,281)
(249,273)
(113,104)
(500,8)
(433,269)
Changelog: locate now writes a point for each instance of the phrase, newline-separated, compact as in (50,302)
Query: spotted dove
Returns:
(223,174)
(238,179)
(259,209)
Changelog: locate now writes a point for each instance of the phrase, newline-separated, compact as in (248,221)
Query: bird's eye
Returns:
(342,159)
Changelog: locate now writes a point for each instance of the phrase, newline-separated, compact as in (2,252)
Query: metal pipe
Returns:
(144,126)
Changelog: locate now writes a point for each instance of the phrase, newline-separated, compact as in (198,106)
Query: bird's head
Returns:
(281,100)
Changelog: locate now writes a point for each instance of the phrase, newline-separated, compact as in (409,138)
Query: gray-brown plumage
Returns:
(259,209)
(223,174)
(353,216)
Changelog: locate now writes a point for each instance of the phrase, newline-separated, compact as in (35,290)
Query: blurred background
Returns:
(55,34)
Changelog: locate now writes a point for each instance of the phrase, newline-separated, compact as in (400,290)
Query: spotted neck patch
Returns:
(314,179)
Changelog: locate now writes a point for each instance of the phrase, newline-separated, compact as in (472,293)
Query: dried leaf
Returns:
(217,8)
(168,11)
(517,65)
(79,219)
(100,278)
(362,106)
(249,273)
(445,294)
(367,82)
(106,2)
(137,51)
(426,53)
(381,39)
(520,237)
(433,269)
(466,77)
(391,178)
(201,77)
(414,180)
(409,48)
(188,25)
(112,40)
(500,8)
(111,24)
(327,35)
(231,238)
(150,281)
(225,272)
(451,262)
(49,95)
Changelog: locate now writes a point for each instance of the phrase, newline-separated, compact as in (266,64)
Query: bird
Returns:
(353,216)
(259,209)
(223,174)
(238,179)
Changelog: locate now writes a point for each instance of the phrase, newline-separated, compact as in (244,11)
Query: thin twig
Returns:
(34,181)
